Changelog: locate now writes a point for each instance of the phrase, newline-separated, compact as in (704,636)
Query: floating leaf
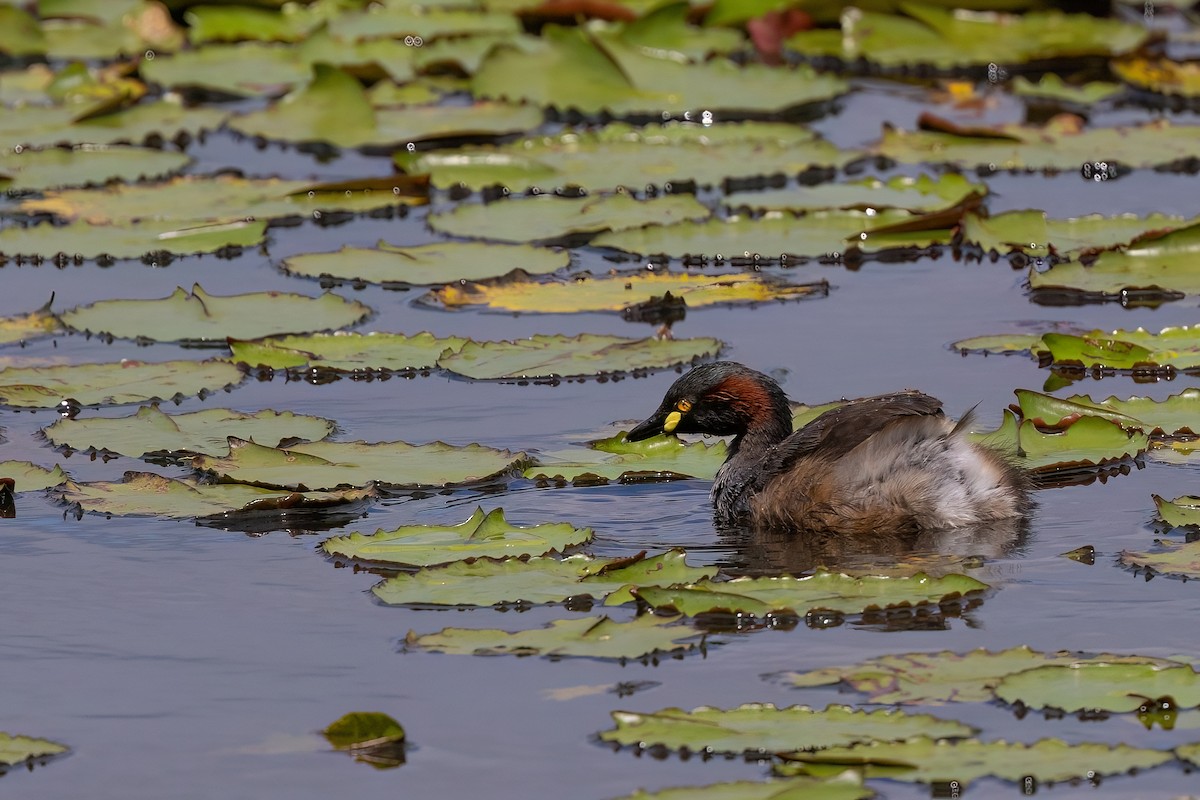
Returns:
(149,494)
(241,23)
(1083,443)
(1001,344)
(1033,232)
(107,30)
(822,590)
(841,787)
(151,431)
(934,678)
(924,760)
(397,20)
(543,356)
(324,465)
(48,126)
(546,218)
(248,69)
(921,193)
(1173,558)
(1052,87)
(617,292)
(24,327)
(1177,347)
(155,242)
(587,637)
(1175,78)
(363,729)
(1156,263)
(1175,416)
(620,461)
(763,729)
(20,33)
(39,170)
(199,316)
(15,749)
(483,582)
(481,535)
(1180,512)
(345,351)
(31,477)
(1100,686)
(426,264)
(113,383)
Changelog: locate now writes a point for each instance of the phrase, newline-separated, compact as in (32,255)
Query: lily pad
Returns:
(167,119)
(1001,344)
(199,316)
(481,535)
(922,759)
(1177,347)
(1180,512)
(15,749)
(21,328)
(113,383)
(1053,88)
(397,20)
(823,590)
(345,351)
(1159,263)
(245,23)
(1032,232)
(587,637)
(548,218)
(1172,558)
(616,460)
(40,170)
(543,356)
(1160,75)
(617,292)
(1177,415)
(426,264)
(841,787)
(324,465)
(762,729)
(921,193)
(30,477)
(363,729)
(1084,443)
(20,33)
(483,582)
(153,432)
(111,29)
(150,494)
(249,69)
(1100,686)
(944,677)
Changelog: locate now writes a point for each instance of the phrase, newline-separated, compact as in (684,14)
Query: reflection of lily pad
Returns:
(614,459)
(481,535)
(23,327)
(345,351)
(426,264)
(39,170)
(924,760)
(149,494)
(114,383)
(153,431)
(324,465)
(617,292)
(31,477)
(483,582)
(1176,415)
(543,356)
(823,590)
(16,750)
(586,637)
(1100,686)
(199,316)
(1172,558)
(1166,263)
(763,729)
(546,218)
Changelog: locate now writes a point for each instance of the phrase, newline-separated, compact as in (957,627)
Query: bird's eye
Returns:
(684,406)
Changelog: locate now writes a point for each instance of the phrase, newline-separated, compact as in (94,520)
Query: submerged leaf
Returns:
(426,264)
(617,460)
(113,383)
(345,351)
(1115,687)
(481,535)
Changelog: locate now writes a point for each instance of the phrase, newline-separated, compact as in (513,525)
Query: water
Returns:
(188,662)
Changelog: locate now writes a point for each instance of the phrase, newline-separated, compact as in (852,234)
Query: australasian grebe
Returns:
(892,465)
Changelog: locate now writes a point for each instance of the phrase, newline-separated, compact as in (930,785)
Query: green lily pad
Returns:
(113,383)
(15,749)
(37,126)
(921,193)
(151,431)
(587,637)
(481,535)
(925,760)
(20,33)
(39,170)
(1177,347)
(814,234)
(1172,558)
(483,582)
(841,787)
(1032,232)
(1180,512)
(762,729)
(345,351)
(156,242)
(426,264)
(616,460)
(25,327)
(618,292)
(363,729)
(625,155)
(109,30)
(935,678)
(199,316)
(822,590)
(543,356)
(31,477)
(1085,443)
(215,23)
(1052,87)
(548,218)
(1100,686)
(947,39)
(1157,263)
(324,465)
(463,54)
(1174,78)
(397,20)
(1177,415)
(250,69)
(1001,344)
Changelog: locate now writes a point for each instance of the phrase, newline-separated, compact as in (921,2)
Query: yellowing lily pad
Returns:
(113,383)
(199,316)
(426,264)
(149,494)
(1176,78)
(763,729)
(24,327)
(345,351)
(617,292)
(1157,263)
(1177,415)
(325,465)
(482,535)
(616,460)
(547,218)
(1100,686)
(39,170)
(1172,558)
(154,432)
(824,590)
(587,637)
(31,477)
(483,582)
(14,749)
(543,356)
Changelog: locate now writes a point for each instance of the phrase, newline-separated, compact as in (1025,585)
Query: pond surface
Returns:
(188,662)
